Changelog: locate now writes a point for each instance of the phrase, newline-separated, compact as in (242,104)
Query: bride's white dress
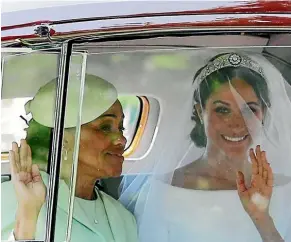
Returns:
(184,215)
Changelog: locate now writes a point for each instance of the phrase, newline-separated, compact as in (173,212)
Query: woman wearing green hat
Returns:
(97,216)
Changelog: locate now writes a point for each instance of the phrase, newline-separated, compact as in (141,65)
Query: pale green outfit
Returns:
(113,221)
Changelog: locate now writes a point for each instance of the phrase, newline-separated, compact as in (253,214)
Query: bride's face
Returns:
(226,121)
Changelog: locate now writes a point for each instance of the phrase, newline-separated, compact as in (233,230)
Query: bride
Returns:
(242,120)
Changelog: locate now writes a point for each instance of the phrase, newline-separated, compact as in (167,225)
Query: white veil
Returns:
(175,213)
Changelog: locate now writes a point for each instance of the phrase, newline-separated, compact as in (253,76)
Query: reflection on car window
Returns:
(13,126)
(23,75)
(222,148)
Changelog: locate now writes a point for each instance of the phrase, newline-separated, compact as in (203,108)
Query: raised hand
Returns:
(255,199)
(28,184)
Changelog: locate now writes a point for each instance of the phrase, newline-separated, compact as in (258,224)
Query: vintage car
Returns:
(150,51)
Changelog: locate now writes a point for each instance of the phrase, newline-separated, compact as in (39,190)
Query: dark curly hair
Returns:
(217,78)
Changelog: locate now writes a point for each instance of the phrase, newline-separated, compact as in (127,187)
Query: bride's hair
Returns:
(213,82)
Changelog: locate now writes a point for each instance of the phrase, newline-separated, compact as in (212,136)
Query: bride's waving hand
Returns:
(256,198)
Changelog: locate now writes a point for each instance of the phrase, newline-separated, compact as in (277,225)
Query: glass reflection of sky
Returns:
(12,126)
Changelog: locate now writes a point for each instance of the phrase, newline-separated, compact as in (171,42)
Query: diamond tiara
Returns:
(230,60)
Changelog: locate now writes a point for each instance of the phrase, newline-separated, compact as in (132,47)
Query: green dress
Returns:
(101,220)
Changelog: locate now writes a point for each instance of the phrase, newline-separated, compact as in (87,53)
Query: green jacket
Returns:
(121,221)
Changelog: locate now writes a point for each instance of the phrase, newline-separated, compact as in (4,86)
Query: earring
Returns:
(65,153)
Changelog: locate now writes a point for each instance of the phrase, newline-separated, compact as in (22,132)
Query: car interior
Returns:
(152,75)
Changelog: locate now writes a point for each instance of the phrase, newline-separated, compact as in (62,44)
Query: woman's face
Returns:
(102,144)
(226,127)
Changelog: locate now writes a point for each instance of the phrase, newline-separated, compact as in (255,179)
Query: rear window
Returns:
(131,108)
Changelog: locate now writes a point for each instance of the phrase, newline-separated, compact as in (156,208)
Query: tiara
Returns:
(230,60)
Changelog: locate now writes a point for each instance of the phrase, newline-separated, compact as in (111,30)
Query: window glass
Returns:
(216,106)
(36,76)
(22,75)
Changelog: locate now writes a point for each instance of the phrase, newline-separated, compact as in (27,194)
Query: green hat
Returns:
(99,96)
